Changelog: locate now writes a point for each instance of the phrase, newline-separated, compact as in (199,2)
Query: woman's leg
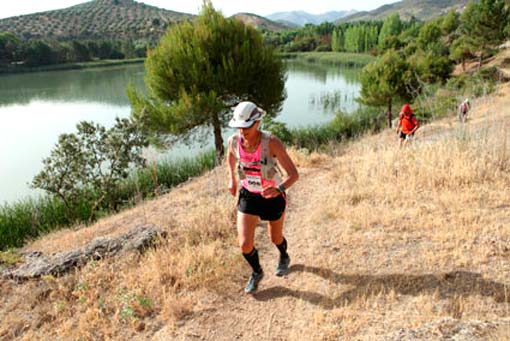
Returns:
(246,224)
(275,230)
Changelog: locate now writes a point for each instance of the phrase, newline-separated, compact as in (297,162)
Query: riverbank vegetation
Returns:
(18,55)
(71,66)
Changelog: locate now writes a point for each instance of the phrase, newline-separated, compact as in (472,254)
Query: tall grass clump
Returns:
(159,177)
(30,218)
(344,126)
(331,58)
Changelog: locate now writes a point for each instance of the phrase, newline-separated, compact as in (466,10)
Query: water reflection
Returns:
(98,85)
(315,92)
(322,72)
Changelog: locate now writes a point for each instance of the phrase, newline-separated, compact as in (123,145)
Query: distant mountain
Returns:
(105,19)
(420,9)
(261,23)
(302,18)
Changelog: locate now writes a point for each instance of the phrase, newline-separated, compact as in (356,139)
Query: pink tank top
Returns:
(254,182)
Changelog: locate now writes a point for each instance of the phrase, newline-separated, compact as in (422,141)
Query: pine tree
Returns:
(485,22)
(199,70)
(385,80)
(391,27)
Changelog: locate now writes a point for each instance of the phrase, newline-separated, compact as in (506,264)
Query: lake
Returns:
(35,108)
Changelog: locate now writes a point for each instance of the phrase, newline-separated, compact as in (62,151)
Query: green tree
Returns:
(430,66)
(450,22)
(303,43)
(462,49)
(392,26)
(338,40)
(485,22)
(105,50)
(88,166)
(385,80)
(80,52)
(199,70)
(430,33)
(410,34)
(40,53)
(9,46)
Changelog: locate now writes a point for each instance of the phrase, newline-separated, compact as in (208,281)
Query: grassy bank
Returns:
(332,58)
(33,217)
(69,66)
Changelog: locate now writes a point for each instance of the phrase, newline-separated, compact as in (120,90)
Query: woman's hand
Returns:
(232,187)
(270,192)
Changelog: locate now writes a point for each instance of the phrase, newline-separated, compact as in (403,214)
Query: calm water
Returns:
(35,108)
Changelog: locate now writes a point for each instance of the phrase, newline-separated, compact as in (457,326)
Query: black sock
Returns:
(253,259)
(283,248)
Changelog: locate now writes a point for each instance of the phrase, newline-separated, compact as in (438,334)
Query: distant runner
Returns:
(407,124)
(464,108)
(253,154)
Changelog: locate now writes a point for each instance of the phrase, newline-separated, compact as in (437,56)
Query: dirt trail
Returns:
(281,307)
(322,282)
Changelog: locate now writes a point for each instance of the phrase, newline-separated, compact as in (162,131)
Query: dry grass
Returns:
(381,240)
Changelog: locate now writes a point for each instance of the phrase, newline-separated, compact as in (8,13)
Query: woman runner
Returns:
(253,155)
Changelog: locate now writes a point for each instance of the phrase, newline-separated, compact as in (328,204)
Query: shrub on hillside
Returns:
(90,164)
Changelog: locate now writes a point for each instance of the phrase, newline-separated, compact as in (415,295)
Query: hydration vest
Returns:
(464,108)
(409,123)
(268,165)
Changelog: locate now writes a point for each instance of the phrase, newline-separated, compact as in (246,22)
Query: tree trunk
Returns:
(218,140)
(480,58)
(389,113)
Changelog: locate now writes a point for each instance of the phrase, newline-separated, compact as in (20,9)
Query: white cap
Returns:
(245,114)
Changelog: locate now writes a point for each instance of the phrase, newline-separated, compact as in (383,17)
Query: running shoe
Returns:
(253,282)
(283,266)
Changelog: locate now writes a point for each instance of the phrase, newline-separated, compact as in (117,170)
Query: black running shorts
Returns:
(403,135)
(254,204)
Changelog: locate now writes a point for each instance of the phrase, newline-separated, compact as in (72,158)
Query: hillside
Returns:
(103,19)
(386,244)
(420,9)
(301,18)
(261,23)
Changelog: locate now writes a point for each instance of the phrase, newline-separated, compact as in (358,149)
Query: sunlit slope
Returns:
(383,241)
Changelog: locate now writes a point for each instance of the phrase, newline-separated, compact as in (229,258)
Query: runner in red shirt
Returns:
(407,124)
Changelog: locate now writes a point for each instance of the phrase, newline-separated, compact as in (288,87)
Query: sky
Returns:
(227,7)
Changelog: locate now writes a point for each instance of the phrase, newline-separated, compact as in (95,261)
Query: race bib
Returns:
(254,183)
